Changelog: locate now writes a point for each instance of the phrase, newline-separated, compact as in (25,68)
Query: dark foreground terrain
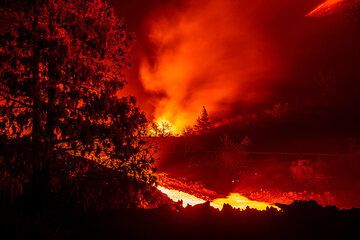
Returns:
(300,220)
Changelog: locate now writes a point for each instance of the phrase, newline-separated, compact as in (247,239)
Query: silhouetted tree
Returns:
(203,124)
(187,131)
(62,70)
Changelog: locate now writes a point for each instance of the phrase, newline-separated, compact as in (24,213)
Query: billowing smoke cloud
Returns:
(208,53)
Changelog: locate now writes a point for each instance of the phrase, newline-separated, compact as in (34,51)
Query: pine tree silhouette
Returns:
(61,76)
(203,124)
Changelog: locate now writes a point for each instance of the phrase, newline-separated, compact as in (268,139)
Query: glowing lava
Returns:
(240,202)
(177,196)
(234,199)
(209,53)
(325,8)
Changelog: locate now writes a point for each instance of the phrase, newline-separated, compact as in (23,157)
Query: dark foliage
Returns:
(300,220)
(203,124)
(62,69)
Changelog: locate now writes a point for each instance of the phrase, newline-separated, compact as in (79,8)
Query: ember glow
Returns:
(234,199)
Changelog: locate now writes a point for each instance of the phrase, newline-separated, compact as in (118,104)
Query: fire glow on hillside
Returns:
(234,199)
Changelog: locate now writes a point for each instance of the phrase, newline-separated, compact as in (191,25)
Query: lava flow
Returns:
(325,8)
(234,199)
(176,196)
(240,202)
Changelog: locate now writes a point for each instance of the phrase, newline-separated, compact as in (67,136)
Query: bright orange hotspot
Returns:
(177,196)
(240,202)
(234,199)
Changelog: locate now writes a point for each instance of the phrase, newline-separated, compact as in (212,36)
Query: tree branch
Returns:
(13,107)
(15,100)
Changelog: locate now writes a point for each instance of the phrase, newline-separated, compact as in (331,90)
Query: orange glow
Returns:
(240,202)
(208,54)
(177,196)
(234,199)
(324,8)
(163,128)
(171,129)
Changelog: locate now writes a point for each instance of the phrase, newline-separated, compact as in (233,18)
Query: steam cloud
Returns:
(208,53)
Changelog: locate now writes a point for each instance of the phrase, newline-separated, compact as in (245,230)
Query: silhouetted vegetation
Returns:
(162,129)
(300,220)
(203,124)
(63,118)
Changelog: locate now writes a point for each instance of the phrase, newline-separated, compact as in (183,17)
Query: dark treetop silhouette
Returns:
(203,124)
(62,69)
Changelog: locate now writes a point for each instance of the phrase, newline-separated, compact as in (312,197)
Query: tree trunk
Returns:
(53,75)
(40,177)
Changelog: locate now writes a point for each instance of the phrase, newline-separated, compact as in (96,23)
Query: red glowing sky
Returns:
(236,56)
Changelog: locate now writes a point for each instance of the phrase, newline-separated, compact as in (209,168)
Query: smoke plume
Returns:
(208,53)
